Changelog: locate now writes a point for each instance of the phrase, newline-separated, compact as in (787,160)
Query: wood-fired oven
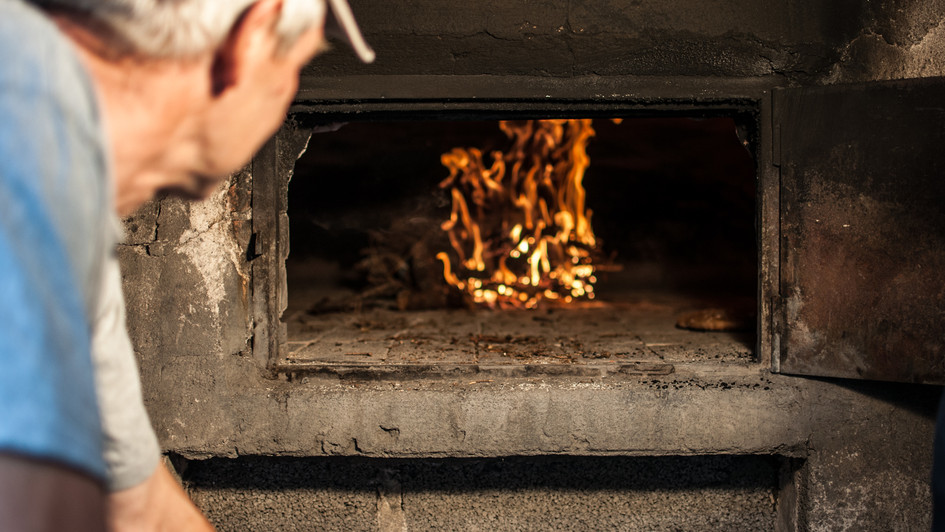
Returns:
(825,201)
(773,159)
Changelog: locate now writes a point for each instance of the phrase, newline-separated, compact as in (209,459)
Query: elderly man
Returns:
(103,104)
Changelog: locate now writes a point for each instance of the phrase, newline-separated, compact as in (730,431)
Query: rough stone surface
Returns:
(870,459)
(547,38)
(186,284)
(797,41)
(898,40)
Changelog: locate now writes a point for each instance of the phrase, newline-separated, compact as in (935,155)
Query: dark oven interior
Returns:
(673,203)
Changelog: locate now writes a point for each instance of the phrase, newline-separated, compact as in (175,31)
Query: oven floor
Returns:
(636,329)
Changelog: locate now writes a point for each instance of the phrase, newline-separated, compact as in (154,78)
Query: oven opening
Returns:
(571,246)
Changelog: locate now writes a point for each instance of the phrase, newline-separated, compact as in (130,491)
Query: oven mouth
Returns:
(673,200)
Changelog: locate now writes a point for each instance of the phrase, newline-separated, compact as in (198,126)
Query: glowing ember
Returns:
(519,229)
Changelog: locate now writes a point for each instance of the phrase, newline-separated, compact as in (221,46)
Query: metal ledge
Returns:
(482,94)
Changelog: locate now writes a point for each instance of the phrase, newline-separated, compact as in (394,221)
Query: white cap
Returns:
(340,23)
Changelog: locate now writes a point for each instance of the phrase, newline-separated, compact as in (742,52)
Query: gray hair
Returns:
(180,28)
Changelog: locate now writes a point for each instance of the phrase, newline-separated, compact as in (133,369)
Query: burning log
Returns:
(400,265)
(519,229)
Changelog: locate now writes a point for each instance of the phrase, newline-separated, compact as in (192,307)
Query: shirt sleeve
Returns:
(131,448)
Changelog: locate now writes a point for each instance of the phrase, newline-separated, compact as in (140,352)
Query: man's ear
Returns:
(252,38)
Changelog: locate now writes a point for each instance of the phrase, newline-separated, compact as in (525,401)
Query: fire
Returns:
(519,229)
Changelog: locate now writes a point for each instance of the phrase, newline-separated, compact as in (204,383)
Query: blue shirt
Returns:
(52,225)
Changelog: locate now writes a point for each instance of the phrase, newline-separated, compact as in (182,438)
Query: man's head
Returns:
(178,28)
(190,89)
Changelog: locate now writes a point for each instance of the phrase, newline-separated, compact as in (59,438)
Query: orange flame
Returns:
(519,227)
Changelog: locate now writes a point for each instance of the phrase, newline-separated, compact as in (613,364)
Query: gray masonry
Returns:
(729,446)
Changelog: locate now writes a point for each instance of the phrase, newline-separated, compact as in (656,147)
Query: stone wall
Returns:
(896,40)
(800,41)
(856,455)
(796,38)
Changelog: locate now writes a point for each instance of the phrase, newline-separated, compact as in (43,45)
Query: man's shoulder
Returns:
(26,30)
(39,60)
(52,146)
